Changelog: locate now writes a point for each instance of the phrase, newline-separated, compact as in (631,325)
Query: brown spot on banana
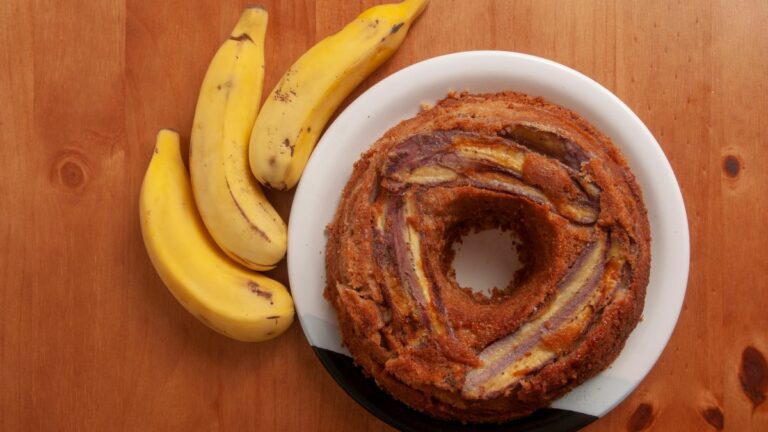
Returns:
(287,144)
(282,96)
(264,209)
(256,289)
(241,38)
(392,31)
(242,212)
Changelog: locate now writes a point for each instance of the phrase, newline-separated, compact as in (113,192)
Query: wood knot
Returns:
(731,166)
(70,169)
(714,417)
(754,375)
(641,418)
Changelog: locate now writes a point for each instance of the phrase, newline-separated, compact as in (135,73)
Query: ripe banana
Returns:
(230,200)
(298,108)
(238,303)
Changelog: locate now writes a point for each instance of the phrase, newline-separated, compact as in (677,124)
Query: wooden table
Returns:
(90,337)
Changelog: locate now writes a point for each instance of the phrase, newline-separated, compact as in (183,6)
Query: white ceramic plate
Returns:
(398,97)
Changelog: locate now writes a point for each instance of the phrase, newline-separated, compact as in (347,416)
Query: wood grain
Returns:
(91,340)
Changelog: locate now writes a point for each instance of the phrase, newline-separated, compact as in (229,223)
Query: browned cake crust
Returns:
(478,161)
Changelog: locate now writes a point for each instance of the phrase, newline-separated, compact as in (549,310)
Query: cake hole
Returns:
(487,259)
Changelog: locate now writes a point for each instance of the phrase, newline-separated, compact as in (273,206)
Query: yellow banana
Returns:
(301,103)
(230,200)
(226,297)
